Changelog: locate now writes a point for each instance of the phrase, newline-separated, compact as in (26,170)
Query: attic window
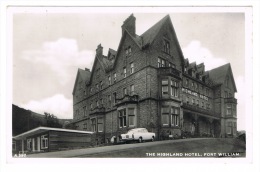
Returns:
(166,46)
(227,81)
(128,51)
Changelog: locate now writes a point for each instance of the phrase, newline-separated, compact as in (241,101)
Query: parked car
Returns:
(137,134)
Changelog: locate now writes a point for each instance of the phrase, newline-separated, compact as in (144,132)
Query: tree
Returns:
(52,120)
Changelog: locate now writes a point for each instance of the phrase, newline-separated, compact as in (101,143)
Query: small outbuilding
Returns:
(46,139)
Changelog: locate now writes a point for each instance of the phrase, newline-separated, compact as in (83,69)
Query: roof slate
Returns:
(151,33)
(219,74)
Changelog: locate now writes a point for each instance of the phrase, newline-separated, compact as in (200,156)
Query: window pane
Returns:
(131,120)
(165,110)
(165,119)
(165,82)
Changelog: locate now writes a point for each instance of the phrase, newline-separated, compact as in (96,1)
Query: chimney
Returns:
(129,25)
(87,69)
(99,50)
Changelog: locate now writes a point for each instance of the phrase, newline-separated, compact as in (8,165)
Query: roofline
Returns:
(51,129)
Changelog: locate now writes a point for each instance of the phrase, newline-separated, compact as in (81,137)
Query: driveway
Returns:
(106,149)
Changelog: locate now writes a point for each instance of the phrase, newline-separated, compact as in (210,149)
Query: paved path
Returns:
(96,150)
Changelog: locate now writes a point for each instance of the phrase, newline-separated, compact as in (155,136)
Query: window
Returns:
(97,87)
(93,124)
(174,88)
(109,100)
(207,92)
(13,145)
(192,84)
(166,46)
(101,85)
(132,90)
(29,144)
(229,109)
(114,94)
(193,101)
(226,94)
(131,117)
(128,51)
(234,110)
(227,81)
(109,80)
(159,62)
(91,89)
(100,125)
(198,102)
(122,118)
(97,103)
(77,114)
(91,106)
(234,127)
(131,68)
(195,86)
(175,116)
(44,142)
(187,82)
(114,77)
(229,127)
(101,101)
(124,91)
(85,111)
(85,126)
(163,63)
(187,99)
(124,72)
(165,116)
(164,86)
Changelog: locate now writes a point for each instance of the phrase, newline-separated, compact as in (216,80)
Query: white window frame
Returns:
(124,72)
(44,141)
(131,115)
(100,123)
(132,68)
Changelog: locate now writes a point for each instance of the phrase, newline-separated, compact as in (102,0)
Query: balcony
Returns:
(196,108)
(230,100)
(169,71)
(96,110)
(127,99)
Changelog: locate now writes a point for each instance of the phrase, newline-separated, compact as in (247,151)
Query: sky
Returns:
(49,46)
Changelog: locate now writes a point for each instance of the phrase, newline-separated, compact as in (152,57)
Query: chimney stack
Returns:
(99,50)
(129,25)
(87,69)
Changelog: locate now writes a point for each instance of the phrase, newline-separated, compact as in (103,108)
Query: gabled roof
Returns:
(219,74)
(84,75)
(151,33)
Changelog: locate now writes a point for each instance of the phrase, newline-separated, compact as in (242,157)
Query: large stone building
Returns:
(148,83)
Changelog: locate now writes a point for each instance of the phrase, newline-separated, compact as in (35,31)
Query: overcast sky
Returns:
(48,48)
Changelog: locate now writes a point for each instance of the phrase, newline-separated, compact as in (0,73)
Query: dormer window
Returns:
(166,46)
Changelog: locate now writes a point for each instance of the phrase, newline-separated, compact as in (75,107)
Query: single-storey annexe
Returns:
(46,139)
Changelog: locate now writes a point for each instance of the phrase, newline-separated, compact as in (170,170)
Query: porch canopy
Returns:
(40,130)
